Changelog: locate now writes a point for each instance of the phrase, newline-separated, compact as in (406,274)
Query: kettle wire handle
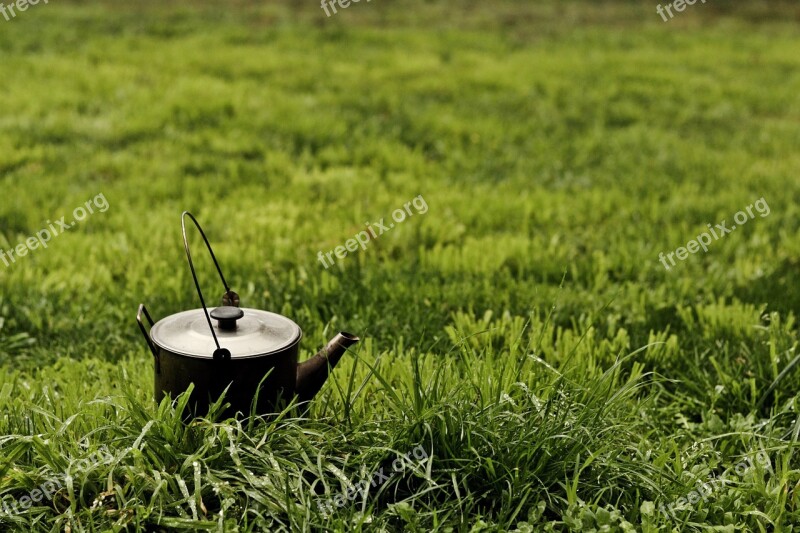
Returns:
(220,353)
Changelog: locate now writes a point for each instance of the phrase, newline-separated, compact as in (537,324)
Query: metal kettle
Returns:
(250,352)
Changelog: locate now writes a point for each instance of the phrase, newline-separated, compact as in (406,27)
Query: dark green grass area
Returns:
(520,330)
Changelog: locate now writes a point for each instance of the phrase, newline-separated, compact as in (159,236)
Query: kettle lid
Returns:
(253,332)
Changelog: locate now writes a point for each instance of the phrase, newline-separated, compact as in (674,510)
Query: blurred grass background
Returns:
(560,147)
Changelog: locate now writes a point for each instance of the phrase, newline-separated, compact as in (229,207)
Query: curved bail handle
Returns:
(150,344)
(230,296)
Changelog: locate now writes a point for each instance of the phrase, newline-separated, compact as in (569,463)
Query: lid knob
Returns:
(227,316)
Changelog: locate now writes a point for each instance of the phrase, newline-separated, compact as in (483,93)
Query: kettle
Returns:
(250,352)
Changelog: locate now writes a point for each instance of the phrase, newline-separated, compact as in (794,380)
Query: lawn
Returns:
(530,361)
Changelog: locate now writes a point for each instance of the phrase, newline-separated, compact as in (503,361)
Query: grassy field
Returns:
(524,346)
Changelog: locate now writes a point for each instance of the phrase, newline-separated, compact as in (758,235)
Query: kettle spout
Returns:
(311,374)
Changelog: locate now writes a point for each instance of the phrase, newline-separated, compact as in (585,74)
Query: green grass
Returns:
(521,331)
